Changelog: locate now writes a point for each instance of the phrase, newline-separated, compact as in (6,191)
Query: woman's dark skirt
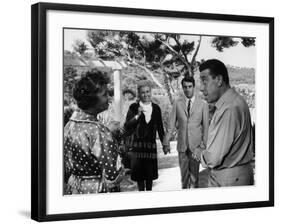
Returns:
(143,161)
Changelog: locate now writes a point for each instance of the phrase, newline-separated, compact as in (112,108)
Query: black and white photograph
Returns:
(140,111)
(145,112)
(157,111)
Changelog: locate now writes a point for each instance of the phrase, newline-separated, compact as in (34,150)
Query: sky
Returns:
(235,56)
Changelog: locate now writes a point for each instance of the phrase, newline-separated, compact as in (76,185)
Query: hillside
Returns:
(240,75)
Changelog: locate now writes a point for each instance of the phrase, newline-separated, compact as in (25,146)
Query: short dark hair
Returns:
(88,86)
(188,79)
(216,68)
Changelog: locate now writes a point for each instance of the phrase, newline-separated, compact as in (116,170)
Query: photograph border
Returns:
(39,109)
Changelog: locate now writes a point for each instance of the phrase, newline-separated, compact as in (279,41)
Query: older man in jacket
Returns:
(229,150)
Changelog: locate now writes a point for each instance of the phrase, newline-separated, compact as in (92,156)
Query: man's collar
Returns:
(224,98)
(192,99)
(187,99)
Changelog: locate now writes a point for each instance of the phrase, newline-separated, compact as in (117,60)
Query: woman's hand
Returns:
(140,110)
(114,126)
(166,149)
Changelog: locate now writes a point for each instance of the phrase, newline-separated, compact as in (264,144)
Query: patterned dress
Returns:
(91,160)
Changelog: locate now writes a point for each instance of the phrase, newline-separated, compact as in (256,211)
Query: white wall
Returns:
(15,110)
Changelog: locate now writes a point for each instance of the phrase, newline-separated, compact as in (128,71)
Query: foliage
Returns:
(174,55)
(70,77)
(80,47)
(248,42)
(225,42)
(240,75)
(247,93)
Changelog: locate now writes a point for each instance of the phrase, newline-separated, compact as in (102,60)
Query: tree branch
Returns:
(196,51)
(173,51)
(146,69)
(143,51)
(114,51)
(185,56)
(188,65)
(150,73)
(177,69)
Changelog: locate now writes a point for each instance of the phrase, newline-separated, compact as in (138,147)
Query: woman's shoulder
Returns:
(156,106)
(92,127)
(134,105)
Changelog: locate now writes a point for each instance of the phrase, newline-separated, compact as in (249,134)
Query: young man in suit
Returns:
(191,115)
(229,149)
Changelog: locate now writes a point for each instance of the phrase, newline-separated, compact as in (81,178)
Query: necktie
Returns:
(212,110)
(188,107)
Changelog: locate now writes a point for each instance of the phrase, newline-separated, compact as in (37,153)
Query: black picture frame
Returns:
(39,110)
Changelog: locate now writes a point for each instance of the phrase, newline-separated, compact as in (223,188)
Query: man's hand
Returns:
(197,154)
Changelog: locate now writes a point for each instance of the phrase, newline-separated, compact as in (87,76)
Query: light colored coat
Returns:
(193,130)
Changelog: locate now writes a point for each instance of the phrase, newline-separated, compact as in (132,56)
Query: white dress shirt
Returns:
(147,111)
(191,102)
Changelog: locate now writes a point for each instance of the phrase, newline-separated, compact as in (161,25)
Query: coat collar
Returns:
(183,100)
(225,98)
(81,116)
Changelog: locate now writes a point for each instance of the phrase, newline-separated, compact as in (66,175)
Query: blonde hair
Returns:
(143,83)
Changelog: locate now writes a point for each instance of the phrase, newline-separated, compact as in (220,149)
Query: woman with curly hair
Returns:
(91,160)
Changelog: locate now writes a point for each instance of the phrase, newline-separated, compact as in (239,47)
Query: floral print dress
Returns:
(91,160)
